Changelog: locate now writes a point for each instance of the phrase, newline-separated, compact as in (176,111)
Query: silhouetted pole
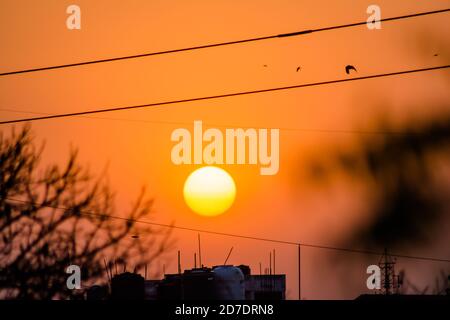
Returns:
(199,252)
(274,261)
(299,274)
(228,256)
(179,262)
(270,263)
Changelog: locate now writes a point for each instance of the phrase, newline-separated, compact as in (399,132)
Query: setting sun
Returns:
(209,191)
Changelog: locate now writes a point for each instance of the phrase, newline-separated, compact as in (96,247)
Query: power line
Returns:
(221,44)
(102,216)
(217,125)
(221,96)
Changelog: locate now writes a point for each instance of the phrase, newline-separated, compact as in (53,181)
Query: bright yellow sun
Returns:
(209,191)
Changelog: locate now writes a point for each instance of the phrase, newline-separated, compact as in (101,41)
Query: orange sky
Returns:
(136,144)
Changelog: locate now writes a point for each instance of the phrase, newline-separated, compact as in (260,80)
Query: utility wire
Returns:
(103,216)
(221,96)
(220,44)
(217,125)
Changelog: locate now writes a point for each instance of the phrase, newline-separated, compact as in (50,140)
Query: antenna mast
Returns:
(199,252)
(229,253)
(390,281)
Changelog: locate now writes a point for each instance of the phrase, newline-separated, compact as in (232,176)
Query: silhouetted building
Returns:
(265,287)
(97,292)
(127,286)
(151,288)
(223,282)
(198,284)
(170,288)
(217,283)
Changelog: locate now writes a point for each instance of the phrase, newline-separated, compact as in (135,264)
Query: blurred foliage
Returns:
(399,169)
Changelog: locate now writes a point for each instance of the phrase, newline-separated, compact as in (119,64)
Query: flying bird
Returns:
(299,68)
(135,236)
(349,68)
(435,54)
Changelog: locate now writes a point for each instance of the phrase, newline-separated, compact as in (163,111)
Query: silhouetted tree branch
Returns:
(45,224)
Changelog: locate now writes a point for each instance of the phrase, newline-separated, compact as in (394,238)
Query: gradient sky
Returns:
(135,145)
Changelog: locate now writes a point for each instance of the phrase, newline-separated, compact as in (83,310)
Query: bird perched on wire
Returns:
(349,68)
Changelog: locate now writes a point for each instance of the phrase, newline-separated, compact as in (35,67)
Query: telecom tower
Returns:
(390,282)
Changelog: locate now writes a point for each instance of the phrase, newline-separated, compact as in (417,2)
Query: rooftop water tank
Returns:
(229,283)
